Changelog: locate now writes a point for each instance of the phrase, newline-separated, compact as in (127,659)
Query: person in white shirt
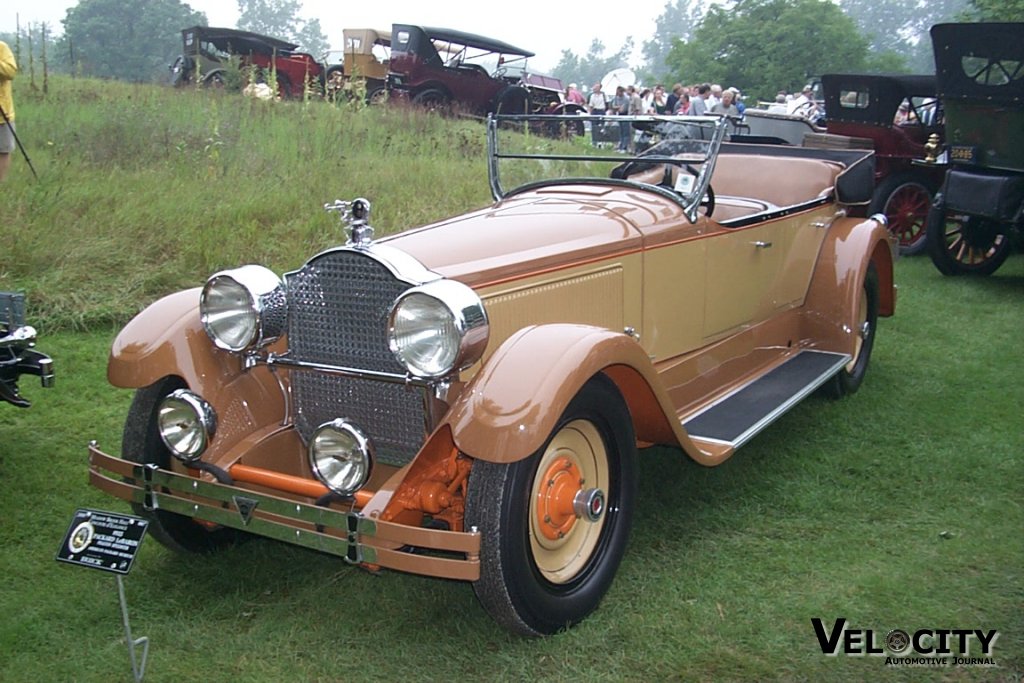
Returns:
(597,104)
(802,104)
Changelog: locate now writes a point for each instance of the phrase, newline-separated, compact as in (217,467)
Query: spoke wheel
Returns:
(905,201)
(377,96)
(555,524)
(961,244)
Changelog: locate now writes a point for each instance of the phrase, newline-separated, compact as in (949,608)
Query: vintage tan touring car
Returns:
(466,399)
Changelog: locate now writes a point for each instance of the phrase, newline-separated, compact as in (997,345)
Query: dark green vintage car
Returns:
(980,75)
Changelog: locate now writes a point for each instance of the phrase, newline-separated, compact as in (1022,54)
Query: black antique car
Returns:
(17,355)
(980,73)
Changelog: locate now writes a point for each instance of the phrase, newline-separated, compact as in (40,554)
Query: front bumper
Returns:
(358,539)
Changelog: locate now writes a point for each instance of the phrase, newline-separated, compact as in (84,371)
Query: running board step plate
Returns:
(738,417)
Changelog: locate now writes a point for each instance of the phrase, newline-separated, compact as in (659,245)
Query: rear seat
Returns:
(775,181)
(782,181)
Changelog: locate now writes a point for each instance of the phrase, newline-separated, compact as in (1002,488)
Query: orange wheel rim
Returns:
(575,460)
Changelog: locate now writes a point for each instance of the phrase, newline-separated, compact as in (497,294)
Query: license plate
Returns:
(963,154)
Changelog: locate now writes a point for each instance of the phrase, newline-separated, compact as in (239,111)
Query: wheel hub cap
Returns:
(556,499)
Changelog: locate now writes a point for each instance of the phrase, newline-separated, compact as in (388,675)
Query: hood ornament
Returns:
(355,216)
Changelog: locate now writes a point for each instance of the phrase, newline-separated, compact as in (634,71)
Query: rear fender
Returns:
(508,410)
(850,246)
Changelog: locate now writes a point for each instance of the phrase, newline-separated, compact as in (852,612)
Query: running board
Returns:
(738,417)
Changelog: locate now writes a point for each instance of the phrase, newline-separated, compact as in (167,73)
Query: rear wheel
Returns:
(905,201)
(432,99)
(512,100)
(850,377)
(377,95)
(555,524)
(141,443)
(284,87)
(961,244)
(216,79)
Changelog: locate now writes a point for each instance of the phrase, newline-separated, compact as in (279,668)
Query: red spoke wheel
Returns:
(905,201)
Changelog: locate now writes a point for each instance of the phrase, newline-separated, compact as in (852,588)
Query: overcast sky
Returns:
(545,27)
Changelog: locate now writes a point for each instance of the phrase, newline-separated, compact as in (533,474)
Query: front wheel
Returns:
(141,443)
(961,244)
(555,524)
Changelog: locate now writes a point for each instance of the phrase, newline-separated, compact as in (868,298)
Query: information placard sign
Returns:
(103,540)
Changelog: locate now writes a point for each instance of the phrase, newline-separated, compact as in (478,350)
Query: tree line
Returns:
(759,46)
(762,46)
(136,40)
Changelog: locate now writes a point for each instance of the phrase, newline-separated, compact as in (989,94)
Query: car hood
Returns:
(536,231)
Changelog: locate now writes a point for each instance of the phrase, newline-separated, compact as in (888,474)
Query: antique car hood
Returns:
(535,231)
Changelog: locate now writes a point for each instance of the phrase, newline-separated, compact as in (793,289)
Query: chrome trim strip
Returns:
(272,360)
(780,410)
(401,264)
(158,479)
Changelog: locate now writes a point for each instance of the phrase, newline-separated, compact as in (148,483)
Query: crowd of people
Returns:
(682,100)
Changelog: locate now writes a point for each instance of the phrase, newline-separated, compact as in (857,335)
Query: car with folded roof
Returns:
(469,399)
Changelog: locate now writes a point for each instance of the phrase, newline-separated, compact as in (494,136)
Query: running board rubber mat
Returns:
(739,416)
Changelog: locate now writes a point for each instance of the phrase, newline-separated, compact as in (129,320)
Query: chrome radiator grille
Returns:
(337,315)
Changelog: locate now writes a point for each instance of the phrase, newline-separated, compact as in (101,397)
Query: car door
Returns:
(743,266)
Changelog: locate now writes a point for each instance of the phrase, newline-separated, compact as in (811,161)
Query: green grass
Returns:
(898,507)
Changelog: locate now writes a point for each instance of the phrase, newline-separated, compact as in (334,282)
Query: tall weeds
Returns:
(144,190)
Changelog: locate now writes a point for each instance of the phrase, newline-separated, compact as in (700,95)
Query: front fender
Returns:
(511,406)
(167,339)
(832,299)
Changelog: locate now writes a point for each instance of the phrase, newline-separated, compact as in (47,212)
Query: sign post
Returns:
(109,541)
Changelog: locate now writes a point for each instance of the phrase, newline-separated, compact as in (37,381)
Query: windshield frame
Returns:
(714,127)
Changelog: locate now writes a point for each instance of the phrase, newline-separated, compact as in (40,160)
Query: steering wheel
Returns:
(708,200)
(500,72)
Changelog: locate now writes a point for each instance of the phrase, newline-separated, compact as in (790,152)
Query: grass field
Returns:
(898,507)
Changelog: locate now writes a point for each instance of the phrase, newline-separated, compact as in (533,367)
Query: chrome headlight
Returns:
(341,456)
(186,424)
(243,308)
(437,328)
